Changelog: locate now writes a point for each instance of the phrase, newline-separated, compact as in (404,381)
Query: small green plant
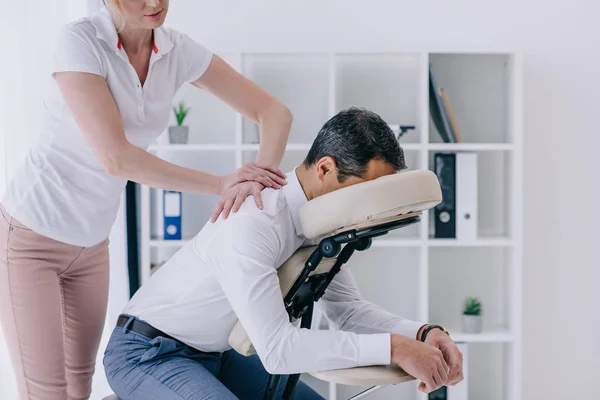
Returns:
(472,306)
(180,113)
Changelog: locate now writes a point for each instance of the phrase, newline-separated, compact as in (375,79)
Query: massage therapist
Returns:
(114,78)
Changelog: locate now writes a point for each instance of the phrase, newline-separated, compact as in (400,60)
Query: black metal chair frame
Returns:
(307,290)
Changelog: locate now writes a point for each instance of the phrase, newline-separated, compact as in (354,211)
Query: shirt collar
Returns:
(295,198)
(105,30)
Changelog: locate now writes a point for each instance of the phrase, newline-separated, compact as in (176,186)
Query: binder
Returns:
(172,215)
(445,212)
(456,216)
(466,196)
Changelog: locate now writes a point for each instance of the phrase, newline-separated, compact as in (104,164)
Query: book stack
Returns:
(441,111)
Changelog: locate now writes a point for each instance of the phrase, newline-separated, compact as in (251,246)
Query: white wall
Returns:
(559,41)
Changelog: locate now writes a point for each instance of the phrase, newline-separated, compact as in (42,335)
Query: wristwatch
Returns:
(430,328)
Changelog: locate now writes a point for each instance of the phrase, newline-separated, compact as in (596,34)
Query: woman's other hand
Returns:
(234,197)
(266,176)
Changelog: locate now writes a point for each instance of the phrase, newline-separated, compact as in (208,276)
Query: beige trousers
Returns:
(53,300)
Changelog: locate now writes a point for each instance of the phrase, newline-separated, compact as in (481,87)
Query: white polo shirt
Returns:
(61,189)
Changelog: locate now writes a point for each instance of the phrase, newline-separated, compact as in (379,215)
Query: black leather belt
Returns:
(144,328)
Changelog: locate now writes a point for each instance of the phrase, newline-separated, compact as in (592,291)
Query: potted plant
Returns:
(179,134)
(472,318)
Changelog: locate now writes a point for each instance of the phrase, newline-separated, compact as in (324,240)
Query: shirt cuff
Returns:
(374,349)
(410,329)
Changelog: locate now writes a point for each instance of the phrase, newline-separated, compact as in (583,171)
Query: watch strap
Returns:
(429,328)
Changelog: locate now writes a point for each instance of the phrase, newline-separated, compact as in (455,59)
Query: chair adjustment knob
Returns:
(329,248)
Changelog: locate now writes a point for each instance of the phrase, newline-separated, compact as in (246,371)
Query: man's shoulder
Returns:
(273,204)
(248,220)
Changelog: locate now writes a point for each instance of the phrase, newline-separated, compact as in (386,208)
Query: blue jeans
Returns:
(138,368)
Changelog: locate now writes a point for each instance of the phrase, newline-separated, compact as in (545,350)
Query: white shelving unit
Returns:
(417,276)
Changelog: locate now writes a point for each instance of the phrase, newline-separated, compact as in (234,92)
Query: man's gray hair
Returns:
(353,138)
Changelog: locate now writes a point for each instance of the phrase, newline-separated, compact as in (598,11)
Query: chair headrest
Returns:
(363,203)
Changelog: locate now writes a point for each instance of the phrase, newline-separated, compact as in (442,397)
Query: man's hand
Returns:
(454,358)
(421,360)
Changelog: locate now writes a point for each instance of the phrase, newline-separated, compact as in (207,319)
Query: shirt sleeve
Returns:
(74,53)
(243,257)
(346,310)
(196,58)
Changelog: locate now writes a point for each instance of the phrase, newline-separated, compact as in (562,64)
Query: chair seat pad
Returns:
(364,203)
(365,376)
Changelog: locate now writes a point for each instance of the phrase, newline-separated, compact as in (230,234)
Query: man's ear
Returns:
(326,166)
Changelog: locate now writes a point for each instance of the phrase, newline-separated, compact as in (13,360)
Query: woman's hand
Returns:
(267,176)
(234,197)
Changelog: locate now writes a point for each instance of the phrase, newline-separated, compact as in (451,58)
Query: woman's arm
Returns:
(273,117)
(100,122)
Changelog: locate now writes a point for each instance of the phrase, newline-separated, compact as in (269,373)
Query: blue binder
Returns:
(172,214)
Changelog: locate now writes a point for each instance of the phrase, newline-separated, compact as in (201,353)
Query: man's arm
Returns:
(346,310)
(243,255)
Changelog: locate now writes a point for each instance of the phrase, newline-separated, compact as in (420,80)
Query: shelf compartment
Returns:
(495,190)
(386,84)
(479,89)
(300,81)
(387,276)
(196,208)
(457,273)
(210,120)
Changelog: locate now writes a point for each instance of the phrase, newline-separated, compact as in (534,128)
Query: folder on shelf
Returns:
(456,216)
(172,214)
(437,110)
(451,116)
(466,196)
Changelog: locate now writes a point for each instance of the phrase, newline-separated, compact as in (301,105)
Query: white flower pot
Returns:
(472,323)
(179,134)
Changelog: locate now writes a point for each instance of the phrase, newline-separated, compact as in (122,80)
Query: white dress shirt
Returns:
(61,190)
(229,271)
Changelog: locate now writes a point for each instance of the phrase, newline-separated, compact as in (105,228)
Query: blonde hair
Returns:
(115,11)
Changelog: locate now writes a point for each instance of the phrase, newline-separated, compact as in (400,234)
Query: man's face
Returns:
(328,174)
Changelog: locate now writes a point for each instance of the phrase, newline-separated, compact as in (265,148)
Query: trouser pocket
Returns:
(161,347)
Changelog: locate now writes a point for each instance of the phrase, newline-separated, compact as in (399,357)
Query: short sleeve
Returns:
(195,56)
(73,52)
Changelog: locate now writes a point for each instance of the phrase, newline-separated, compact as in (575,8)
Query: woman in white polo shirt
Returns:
(115,76)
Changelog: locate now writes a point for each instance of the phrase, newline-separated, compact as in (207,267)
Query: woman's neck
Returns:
(136,41)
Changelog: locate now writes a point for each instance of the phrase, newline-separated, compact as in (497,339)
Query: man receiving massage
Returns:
(172,340)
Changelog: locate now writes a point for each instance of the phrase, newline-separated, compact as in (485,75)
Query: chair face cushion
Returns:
(365,376)
(367,202)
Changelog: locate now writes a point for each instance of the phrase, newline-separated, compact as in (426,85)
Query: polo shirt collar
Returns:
(295,198)
(105,30)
